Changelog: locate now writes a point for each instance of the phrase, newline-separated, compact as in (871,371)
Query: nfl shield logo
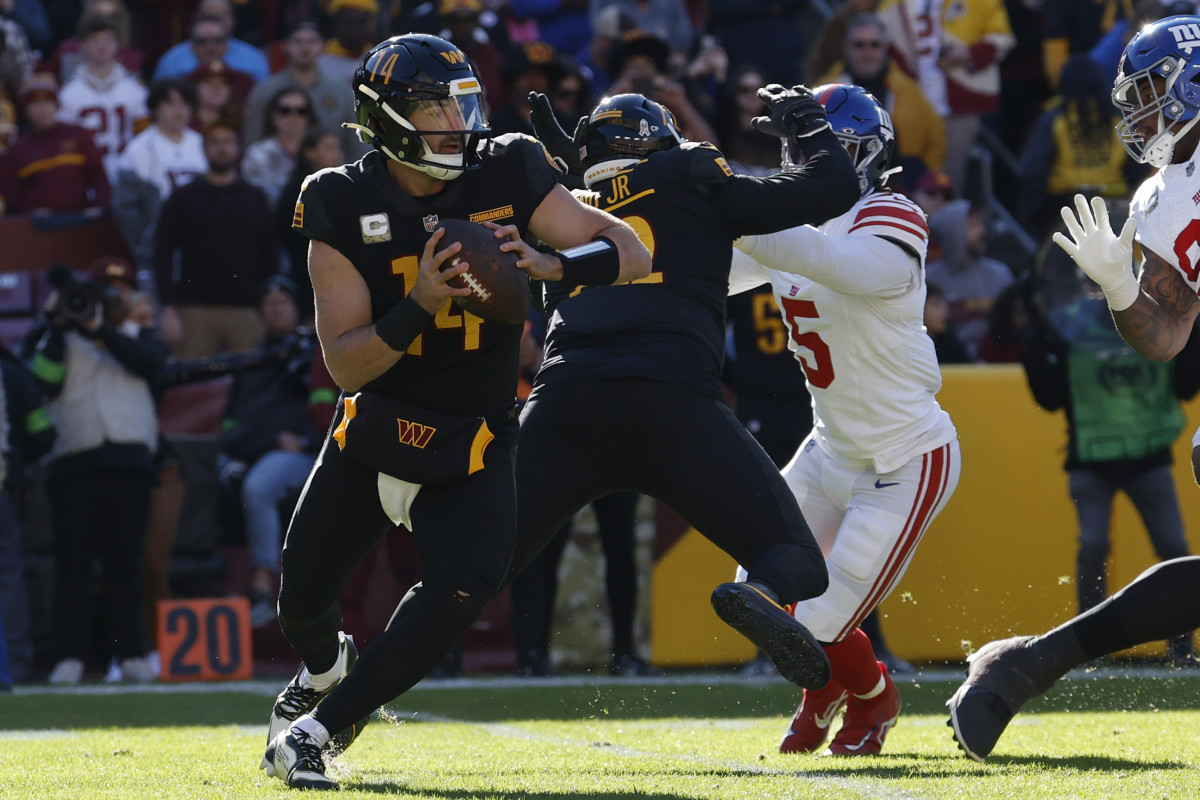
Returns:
(430,222)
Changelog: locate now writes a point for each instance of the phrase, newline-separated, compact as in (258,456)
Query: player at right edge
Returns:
(1157,91)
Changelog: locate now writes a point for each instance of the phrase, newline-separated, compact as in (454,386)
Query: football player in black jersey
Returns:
(628,395)
(410,360)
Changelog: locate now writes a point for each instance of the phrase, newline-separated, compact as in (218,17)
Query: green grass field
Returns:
(1106,735)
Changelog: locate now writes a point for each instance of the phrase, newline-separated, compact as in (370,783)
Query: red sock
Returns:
(853,663)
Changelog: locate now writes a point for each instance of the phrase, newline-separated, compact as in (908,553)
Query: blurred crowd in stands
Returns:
(188,127)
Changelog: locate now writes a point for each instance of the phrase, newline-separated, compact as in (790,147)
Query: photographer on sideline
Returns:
(98,367)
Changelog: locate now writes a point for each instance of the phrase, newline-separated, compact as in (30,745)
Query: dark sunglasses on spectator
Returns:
(861,44)
(209,39)
(299,111)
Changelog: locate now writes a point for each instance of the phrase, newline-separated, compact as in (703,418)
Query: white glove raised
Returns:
(1107,259)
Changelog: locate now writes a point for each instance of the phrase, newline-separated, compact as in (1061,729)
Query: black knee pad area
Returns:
(795,573)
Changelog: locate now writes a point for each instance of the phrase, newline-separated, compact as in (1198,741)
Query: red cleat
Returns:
(868,721)
(810,726)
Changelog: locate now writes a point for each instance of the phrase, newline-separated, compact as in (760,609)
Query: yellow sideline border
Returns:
(998,561)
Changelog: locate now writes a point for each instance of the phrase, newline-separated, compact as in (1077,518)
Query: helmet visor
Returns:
(456,114)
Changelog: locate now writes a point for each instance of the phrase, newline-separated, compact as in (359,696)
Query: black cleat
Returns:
(790,646)
(1002,676)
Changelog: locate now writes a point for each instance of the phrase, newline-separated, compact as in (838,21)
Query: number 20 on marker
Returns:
(205,639)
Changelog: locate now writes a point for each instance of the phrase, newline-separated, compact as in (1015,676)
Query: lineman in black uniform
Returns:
(390,334)
(628,395)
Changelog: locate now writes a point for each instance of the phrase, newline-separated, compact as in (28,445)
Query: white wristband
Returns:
(1123,295)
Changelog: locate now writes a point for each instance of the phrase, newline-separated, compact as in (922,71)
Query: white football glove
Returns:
(1107,259)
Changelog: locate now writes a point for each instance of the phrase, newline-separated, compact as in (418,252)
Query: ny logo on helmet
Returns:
(1186,36)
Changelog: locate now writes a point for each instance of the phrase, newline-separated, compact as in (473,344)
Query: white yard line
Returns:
(272,686)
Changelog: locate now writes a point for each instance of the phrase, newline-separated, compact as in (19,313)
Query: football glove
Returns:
(793,112)
(558,144)
(1106,258)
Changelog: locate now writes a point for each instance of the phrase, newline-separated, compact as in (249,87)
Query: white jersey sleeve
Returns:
(745,273)
(877,248)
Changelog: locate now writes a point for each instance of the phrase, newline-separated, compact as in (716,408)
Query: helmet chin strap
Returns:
(444,168)
(442,173)
(1162,149)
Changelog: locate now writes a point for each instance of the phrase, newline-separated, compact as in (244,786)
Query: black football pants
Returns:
(464,537)
(580,441)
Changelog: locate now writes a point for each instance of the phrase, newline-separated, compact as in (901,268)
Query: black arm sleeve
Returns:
(826,187)
(144,356)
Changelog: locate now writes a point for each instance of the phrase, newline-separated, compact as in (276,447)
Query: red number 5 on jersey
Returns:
(818,369)
(1187,247)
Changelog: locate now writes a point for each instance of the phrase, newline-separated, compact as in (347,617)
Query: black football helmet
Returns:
(626,127)
(417,84)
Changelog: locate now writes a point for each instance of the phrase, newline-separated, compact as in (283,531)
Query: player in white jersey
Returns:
(101,95)
(883,458)
(1158,94)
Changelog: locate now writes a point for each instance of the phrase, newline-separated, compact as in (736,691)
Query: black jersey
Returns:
(687,207)
(460,363)
(764,364)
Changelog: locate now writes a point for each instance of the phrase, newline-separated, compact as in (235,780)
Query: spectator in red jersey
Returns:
(54,167)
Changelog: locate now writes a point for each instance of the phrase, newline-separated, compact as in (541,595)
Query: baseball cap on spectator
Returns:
(936,182)
(638,43)
(464,8)
(357,5)
(40,86)
(113,268)
(532,55)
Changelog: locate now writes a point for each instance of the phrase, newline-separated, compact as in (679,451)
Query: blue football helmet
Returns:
(417,84)
(863,126)
(1157,82)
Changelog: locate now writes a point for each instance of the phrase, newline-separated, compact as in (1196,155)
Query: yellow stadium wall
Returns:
(998,561)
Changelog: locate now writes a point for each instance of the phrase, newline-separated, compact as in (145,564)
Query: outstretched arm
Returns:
(1154,314)
(857,265)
